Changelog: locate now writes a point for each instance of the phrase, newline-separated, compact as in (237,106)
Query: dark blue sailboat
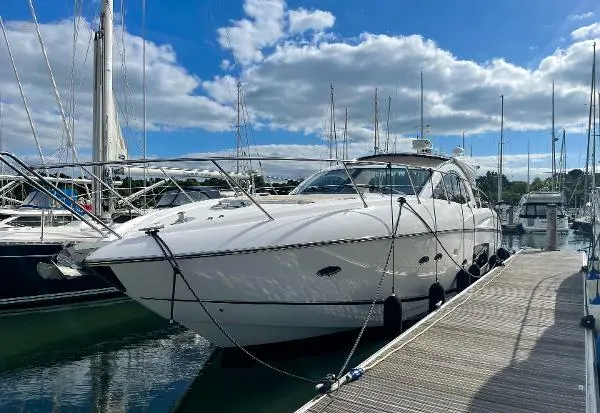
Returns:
(26,277)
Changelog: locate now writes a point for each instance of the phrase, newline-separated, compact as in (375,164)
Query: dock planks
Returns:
(510,343)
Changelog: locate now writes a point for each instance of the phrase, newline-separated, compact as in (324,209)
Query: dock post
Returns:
(511,215)
(551,226)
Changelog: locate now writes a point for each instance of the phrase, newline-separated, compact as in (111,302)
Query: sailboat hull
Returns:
(22,287)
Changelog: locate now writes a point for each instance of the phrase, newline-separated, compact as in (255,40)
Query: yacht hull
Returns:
(290,293)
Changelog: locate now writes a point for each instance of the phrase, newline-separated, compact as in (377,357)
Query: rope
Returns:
(144,117)
(389,166)
(372,306)
(432,233)
(53,81)
(29,118)
(435,216)
(462,214)
(168,254)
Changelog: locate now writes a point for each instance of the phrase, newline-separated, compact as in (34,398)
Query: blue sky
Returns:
(522,34)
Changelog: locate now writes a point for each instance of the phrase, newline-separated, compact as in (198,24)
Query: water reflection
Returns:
(141,366)
(570,241)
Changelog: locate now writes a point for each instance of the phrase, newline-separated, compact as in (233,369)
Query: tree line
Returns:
(572,184)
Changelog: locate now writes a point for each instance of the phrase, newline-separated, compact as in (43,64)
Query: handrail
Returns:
(354,185)
(231,180)
(129,162)
(177,185)
(234,182)
(212,159)
(41,188)
(112,190)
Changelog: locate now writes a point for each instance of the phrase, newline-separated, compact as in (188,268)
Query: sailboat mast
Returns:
(107,85)
(387,125)
(332,127)
(500,151)
(528,166)
(594,142)
(561,164)
(376,128)
(335,142)
(422,122)
(103,114)
(562,173)
(238,129)
(587,156)
(346,135)
(553,144)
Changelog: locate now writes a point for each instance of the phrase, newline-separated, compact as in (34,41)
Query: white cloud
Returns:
(580,16)
(295,169)
(289,89)
(586,32)
(247,37)
(225,64)
(172,98)
(515,165)
(302,20)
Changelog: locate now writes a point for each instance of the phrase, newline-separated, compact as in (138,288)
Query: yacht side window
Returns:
(530,210)
(462,192)
(450,185)
(440,191)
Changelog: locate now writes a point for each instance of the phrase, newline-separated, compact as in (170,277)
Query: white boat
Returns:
(308,264)
(533,211)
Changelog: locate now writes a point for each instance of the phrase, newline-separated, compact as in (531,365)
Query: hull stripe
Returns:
(351,302)
(278,247)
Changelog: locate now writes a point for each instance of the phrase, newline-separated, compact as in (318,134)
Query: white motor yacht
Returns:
(533,211)
(309,263)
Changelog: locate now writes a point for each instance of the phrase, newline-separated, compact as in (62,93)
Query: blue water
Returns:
(122,358)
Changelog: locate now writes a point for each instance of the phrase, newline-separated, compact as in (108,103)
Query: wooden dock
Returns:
(512,342)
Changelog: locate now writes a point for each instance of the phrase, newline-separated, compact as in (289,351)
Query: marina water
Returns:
(118,357)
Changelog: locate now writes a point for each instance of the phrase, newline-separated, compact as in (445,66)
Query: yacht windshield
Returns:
(367,180)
